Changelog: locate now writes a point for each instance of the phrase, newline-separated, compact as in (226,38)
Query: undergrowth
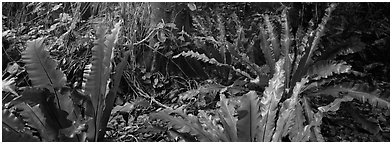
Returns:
(195,72)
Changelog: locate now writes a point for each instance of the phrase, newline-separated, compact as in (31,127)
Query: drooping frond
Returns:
(335,105)
(201,90)
(302,39)
(360,92)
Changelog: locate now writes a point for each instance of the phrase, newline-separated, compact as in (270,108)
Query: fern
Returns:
(14,130)
(41,68)
(311,40)
(267,51)
(248,117)
(47,111)
(51,108)
(185,124)
(352,45)
(272,95)
(226,115)
(204,58)
(273,39)
(324,69)
(360,92)
(97,79)
(287,114)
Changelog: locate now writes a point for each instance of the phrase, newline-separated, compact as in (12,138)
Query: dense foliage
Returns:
(195,72)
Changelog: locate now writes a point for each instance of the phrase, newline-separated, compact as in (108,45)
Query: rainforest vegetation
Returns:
(208,72)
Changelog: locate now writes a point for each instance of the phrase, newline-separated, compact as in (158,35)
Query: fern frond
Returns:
(185,124)
(204,58)
(41,69)
(248,117)
(35,118)
(11,122)
(226,115)
(10,136)
(360,92)
(314,122)
(203,89)
(335,105)
(13,131)
(211,126)
(323,69)
(244,59)
(286,116)
(319,33)
(352,45)
(222,39)
(97,81)
(286,38)
(265,48)
(273,38)
(310,41)
(269,104)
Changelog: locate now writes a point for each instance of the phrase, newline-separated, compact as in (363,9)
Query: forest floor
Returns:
(71,40)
